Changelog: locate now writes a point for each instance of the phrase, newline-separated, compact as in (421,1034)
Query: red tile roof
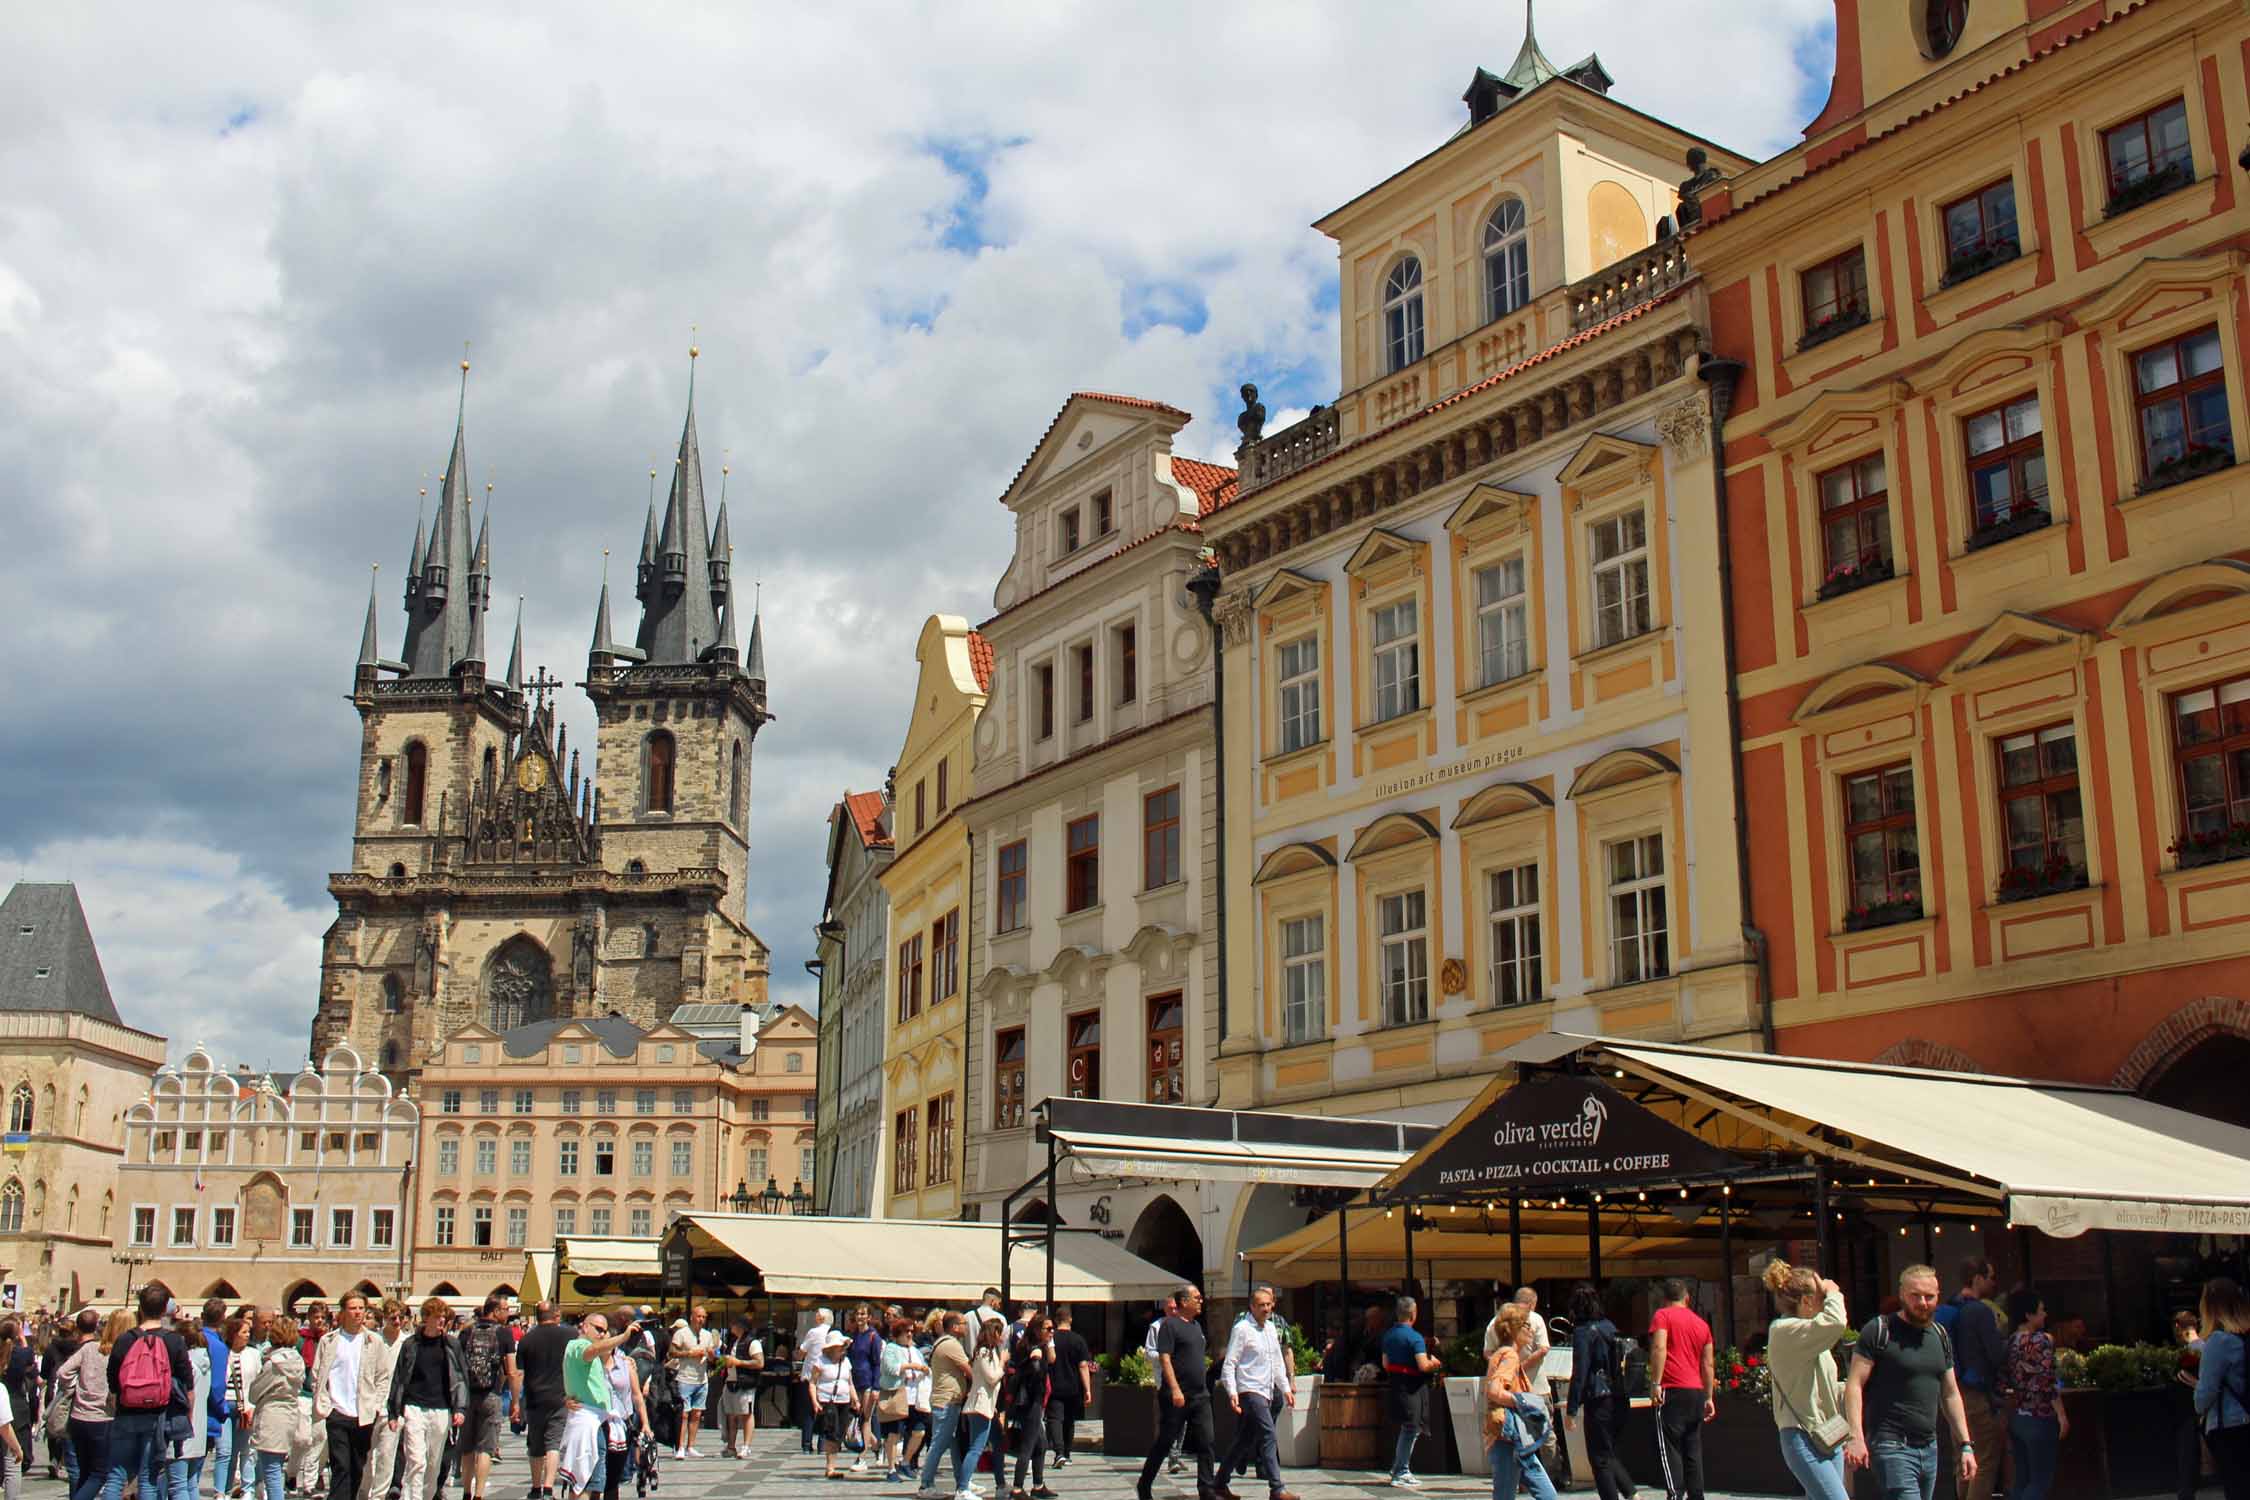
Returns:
(1140,402)
(980,661)
(866,809)
(1489,381)
(1214,484)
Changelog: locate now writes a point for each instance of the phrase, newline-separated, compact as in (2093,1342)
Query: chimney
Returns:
(749,1042)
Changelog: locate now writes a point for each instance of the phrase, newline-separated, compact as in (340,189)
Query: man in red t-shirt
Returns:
(1679,1350)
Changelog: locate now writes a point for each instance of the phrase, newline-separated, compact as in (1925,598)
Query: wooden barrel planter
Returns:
(1351,1426)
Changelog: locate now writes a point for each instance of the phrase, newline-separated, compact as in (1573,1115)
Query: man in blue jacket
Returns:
(217,1410)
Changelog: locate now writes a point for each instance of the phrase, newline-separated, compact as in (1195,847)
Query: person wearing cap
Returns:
(828,1384)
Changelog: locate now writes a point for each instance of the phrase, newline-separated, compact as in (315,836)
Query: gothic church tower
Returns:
(491,880)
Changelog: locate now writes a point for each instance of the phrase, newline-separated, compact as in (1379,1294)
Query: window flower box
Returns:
(2023,518)
(2167,179)
(1975,260)
(1875,914)
(2214,847)
(2199,459)
(2023,883)
(1835,325)
(1844,578)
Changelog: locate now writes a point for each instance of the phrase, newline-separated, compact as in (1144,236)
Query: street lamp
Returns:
(770,1200)
(740,1201)
(800,1201)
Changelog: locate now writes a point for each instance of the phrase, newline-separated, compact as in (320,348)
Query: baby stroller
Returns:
(645,1481)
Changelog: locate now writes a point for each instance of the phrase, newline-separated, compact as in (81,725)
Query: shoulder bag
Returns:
(1828,1434)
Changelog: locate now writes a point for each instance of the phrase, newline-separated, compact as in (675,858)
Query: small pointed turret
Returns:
(601,624)
(370,653)
(754,665)
(480,564)
(475,652)
(722,558)
(414,559)
(646,574)
(723,649)
(515,652)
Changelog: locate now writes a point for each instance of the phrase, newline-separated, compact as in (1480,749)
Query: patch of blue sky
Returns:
(1163,304)
(1815,59)
(962,228)
(240,119)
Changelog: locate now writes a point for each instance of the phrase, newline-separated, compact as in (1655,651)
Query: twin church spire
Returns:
(683,581)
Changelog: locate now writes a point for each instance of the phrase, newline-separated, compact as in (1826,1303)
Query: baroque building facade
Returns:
(70,1068)
(926,888)
(1991,602)
(491,881)
(853,935)
(1478,757)
(1092,917)
(276,1190)
(601,1128)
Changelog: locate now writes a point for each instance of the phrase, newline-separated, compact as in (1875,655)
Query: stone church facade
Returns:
(494,881)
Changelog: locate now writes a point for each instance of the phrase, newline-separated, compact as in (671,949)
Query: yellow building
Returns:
(918,1164)
(1992,580)
(1478,757)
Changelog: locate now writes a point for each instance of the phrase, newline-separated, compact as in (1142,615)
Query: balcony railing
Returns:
(1628,283)
(1295,447)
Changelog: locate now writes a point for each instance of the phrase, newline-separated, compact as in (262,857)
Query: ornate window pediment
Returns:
(1605,462)
(2011,636)
(1994,356)
(1287,588)
(1501,800)
(1490,511)
(1384,555)
(2211,582)
(1293,859)
(1617,769)
(1859,687)
(1392,831)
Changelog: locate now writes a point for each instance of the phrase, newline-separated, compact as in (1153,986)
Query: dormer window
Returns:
(1402,313)
(1104,523)
(1507,259)
(1067,535)
(1942,22)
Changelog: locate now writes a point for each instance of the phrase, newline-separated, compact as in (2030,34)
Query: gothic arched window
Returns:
(519,985)
(1402,313)
(80,1124)
(70,1209)
(390,1055)
(11,1208)
(738,794)
(491,769)
(1507,259)
(394,995)
(109,1201)
(648,940)
(417,783)
(662,758)
(20,1114)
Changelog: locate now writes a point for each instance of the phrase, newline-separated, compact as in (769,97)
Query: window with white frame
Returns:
(1503,648)
(222,1228)
(566,1156)
(183,1226)
(144,1224)
(1513,915)
(1618,546)
(519,1227)
(754,1164)
(637,1223)
(1639,935)
(341,1224)
(1304,979)
(599,1220)
(480,1226)
(1507,259)
(566,1222)
(1403,923)
(1398,661)
(488,1156)
(683,1158)
(644,1158)
(382,1228)
(1402,313)
(519,1157)
(448,1155)
(301,1228)
(1297,668)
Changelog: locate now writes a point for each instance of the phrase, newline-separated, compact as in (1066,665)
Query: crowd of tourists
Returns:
(382,1402)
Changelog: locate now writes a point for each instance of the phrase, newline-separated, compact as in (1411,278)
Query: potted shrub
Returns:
(2212,846)
(1906,908)
(1464,1399)
(1297,1428)
(2024,882)
(2124,1410)
(1128,1405)
(1846,577)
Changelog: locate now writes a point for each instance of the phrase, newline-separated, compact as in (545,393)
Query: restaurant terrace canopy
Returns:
(918,1260)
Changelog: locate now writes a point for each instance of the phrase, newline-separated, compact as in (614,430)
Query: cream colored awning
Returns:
(2066,1158)
(538,1283)
(577,1255)
(1169,1158)
(808,1256)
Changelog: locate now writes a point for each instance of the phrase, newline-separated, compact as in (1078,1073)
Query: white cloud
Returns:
(239,252)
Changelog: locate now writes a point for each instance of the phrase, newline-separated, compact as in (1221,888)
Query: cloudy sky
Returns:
(241,247)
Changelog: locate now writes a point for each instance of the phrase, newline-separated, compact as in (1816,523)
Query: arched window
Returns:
(398,871)
(11,1208)
(382,781)
(417,783)
(390,1055)
(394,995)
(80,1124)
(70,1209)
(1507,259)
(662,754)
(109,1201)
(491,769)
(636,867)
(1402,313)
(519,985)
(20,1114)
(738,793)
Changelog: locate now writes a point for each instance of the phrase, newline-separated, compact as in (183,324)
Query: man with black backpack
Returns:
(488,1351)
(147,1385)
(1902,1384)
(1598,1393)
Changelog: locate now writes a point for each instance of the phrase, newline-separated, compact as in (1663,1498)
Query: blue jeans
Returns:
(944,1422)
(1508,1466)
(1904,1471)
(980,1433)
(187,1477)
(273,1476)
(1403,1455)
(232,1460)
(2034,1441)
(134,1440)
(1822,1478)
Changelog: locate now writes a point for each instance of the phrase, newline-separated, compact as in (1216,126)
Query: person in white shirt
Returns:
(1255,1376)
(1528,1300)
(987,1309)
(808,1350)
(345,1394)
